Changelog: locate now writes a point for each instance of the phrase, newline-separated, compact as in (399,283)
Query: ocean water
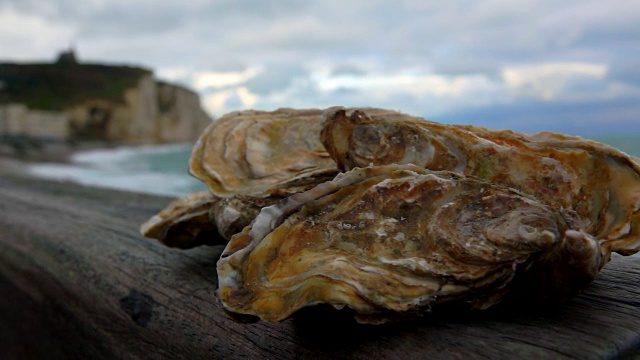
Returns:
(162,169)
(627,143)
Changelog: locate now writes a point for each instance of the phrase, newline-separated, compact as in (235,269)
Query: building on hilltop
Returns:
(67,57)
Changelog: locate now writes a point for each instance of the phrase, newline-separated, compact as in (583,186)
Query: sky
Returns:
(568,66)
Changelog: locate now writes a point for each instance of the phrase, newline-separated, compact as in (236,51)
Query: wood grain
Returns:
(78,281)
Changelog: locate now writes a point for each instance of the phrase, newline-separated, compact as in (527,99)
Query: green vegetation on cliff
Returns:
(47,86)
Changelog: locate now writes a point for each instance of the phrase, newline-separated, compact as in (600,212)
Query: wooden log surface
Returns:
(78,281)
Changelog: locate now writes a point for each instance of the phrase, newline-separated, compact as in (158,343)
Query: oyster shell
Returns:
(185,222)
(596,183)
(199,217)
(258,152)
(232,214)
(243,157)
(253,152)
(393,240)
(482,215)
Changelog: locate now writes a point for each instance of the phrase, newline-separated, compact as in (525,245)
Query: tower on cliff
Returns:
(67,57)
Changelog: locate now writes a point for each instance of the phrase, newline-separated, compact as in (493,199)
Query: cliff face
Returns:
(176,103)
(133,108)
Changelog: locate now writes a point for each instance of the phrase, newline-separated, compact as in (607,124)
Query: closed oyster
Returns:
(185,222)
(253,152)
(200,218)
(258,152)
(393,240)
(596,183)
(244,157)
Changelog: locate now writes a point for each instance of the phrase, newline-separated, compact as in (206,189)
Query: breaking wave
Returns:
(160,169)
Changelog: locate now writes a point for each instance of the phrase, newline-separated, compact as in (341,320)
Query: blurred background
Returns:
(570,66)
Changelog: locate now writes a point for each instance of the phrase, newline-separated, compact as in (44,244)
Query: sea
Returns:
(158,169)
(162,169)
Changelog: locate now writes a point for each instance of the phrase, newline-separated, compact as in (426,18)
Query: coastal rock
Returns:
(152,112)
(70,101)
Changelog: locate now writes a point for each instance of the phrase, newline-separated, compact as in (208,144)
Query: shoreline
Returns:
(14,162)
(10,166)
(159,169)
(53,152)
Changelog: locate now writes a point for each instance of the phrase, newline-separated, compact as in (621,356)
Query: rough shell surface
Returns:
(199,217)
(595,183)
(257,153)
(185,222)
(232,214)
(388,241)
(253,152)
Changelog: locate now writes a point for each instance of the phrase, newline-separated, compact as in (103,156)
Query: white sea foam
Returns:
(150,169)
(124,153)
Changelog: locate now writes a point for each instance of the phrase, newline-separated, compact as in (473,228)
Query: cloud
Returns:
(221,102)
(28,37)
(549,81)
(347,70)
(421,57)
(411,82)
(212,79)
(421,92)
(595,118)
(174,74)
(275,78)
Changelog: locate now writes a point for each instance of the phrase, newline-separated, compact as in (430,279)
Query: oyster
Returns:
(425,214)
(200,218)
(185,222)
(258,152)
(253,152)
(233,214)
(243,157)
(388,241)
(593,182)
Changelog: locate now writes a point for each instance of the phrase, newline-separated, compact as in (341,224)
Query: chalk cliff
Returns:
(97,102)
(151,112)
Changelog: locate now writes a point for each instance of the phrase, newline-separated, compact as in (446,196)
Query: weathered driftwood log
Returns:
(77,280)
